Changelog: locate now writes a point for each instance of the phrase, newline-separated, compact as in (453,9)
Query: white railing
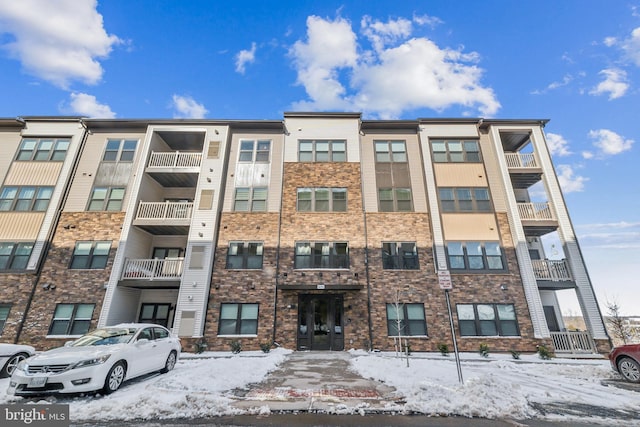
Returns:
(175,159)
(553,270)
(167,269)
(521,160)
(535,211)
(164,210)
(573,342)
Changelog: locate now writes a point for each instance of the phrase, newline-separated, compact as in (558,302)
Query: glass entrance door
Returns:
(320,322)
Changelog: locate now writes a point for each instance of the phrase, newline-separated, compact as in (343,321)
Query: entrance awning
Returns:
(320,287)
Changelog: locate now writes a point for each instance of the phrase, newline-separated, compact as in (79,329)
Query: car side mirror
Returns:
(142,341)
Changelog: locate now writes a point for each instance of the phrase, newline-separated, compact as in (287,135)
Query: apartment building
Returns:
(320,231)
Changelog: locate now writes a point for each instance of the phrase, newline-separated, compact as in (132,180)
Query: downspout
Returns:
(275,292)
(52,229)
(366,249)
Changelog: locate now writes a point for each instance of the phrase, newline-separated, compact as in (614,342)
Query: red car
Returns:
(626,360)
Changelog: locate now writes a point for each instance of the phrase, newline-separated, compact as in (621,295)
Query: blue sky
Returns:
(575,62)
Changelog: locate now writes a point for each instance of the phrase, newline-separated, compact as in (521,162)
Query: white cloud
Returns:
(569,182)
(187,108)
(88,106)
(587,155)
(245,57)
(615,83)
(610,41)
(431,21)
(632,46)
(397,75)
(557,144)
(609,143)
(59,40)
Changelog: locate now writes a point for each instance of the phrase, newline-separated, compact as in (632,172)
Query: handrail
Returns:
(535,211)
(153,269)
(164,210)
(175,159)
(573,342)
(521,160)
(553,270)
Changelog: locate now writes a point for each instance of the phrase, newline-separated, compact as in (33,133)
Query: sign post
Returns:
(444,280)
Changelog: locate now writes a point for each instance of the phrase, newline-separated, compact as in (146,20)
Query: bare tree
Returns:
(617,326)
(399,309)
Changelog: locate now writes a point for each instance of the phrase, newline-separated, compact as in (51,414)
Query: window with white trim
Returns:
(238,319)
(406,320)
(43,149)
(391,151)
(322,150)
(120,150)
(475,320)
(322,200)
(252,150)
(24,199)
(252,199)
(455,151)
(71,319)
(106,199)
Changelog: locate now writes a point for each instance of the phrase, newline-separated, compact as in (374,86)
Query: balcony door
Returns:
(171,268)
(157,313)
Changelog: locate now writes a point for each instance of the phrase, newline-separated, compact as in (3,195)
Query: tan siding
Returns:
(9,143)
(214,150)
(33,173)
(470,227)
(21,226)
(369,192)
(206,200)
(494,176)
(460,175)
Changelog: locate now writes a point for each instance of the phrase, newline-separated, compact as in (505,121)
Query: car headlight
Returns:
(91,362)
(22,366)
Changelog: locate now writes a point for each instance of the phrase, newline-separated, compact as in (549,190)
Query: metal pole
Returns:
(453,334)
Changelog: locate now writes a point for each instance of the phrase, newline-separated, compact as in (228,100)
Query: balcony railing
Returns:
(153,269)
(573,342)
(540,211)
(552,270)
(521,160)
(175,159)
(164,210)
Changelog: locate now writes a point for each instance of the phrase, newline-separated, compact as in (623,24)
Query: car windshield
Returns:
(105,336)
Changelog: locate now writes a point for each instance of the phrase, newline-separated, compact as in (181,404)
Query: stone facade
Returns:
(16,292)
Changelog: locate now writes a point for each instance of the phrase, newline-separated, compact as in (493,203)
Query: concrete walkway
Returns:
(318,382)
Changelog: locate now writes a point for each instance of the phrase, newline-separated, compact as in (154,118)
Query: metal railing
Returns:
(535,211)
(164,210)
(521,160)
(573,342)
(553,270)
(175,159)
(153,269)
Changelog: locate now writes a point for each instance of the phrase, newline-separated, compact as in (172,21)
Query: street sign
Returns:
(444,279)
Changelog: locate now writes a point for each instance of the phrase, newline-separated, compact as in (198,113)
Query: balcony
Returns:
(156,273)
(553,274)
(175,168)
(523,169)
(537,218)
(164,218)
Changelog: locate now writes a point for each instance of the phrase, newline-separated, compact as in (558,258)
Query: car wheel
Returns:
(12,364)
(114,379)
(171,362)
(630,369)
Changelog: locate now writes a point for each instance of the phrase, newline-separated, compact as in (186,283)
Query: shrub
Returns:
(443,349)
(266,347)
(515,354)
(200,346)
(236,347)
(484,350)
(544,353)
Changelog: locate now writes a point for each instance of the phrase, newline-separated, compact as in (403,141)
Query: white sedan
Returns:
(11,355)
(99,361)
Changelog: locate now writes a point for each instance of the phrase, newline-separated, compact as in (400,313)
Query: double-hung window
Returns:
(399,256)
(254,150)
(391,151)
(322,150)
(392,176)
(395,199)
(14,256)
(106,199)
(252,199)
(322,200)
(120,150)
(487,320)
(463,199)
(23,199)
(455,151)
(475,256)
(43,149)
(238,319)
(4,314)
(322,255)
(406,320)
(71,319)
(245,255)
(90,255)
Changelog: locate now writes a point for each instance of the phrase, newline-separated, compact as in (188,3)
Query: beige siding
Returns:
(462,130)
(21,226)
(322,128)
(9,143)
(469,227)
(460,175)
(34,173)
(494,176)
(369,191)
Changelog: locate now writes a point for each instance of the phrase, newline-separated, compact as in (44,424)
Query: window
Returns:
(71,319)
(244,255)
(455,151)
(250,199)
(475,256)
(322,150)
(390,151)
(43,149)
(408,319)
(395,199)
(322,255)
(120,150)
(322,200)
(238,319)
(4,314)
(23,199)
(257,150)
(487,320)
(459,199)
(106,199)
(14,256)
(90,255)
(399,256)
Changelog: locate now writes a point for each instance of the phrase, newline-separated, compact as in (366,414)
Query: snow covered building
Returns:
(321,231)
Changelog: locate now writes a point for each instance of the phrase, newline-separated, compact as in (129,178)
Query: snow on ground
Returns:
(494,387)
